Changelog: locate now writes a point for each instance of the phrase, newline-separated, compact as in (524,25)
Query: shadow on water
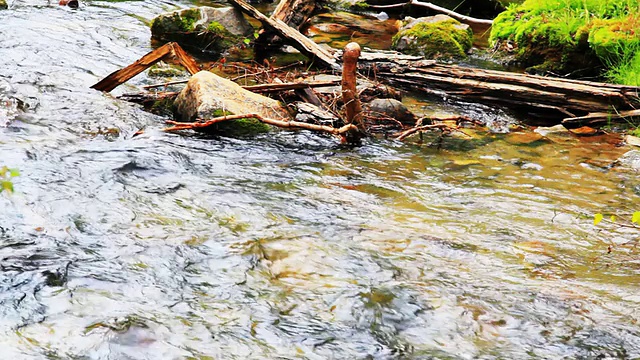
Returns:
(286,245)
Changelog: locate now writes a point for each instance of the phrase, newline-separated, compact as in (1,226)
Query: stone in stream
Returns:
(390,108)
(208,96)
(207,29)
(630,160)
(437,36)
(3,4)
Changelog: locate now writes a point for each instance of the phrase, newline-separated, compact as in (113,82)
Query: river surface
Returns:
(286,245)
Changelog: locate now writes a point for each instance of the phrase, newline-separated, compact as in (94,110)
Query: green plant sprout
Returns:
(5,178)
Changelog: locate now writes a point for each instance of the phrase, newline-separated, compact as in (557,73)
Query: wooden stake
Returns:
(350,99)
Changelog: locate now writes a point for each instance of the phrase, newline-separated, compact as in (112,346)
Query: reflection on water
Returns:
(182,247)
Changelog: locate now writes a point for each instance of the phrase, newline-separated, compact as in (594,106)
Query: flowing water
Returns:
(286,245)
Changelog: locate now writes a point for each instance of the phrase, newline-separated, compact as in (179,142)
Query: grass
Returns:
(564,31)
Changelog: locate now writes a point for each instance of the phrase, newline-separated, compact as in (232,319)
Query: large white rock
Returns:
(208,95)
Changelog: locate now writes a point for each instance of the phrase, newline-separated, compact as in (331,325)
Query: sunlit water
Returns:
(287,246)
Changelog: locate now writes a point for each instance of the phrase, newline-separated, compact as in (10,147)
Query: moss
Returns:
(571,34)
(166,71)
(178,22)
(163,107)
(183,27)
(439,39)
(360,6)
(240,127)
(217,28)
(188,19)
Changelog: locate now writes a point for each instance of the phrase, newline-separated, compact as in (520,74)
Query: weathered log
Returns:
(169,49)
(290,35)
(536,95)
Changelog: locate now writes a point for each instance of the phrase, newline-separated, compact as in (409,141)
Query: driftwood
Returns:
(290,35)
(167,50)
(279,123)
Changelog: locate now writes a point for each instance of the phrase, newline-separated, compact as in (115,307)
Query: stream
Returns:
(286,245)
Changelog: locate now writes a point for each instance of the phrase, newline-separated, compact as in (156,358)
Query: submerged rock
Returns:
(630,159)
(437,36)
(557,130)
(210,30)
(208,96)
(557,133)
(391,108)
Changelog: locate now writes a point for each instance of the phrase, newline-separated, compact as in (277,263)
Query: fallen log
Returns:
(532,94)
(292,36)
(171,49)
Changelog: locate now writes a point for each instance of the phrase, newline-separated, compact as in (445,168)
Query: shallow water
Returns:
(287,246)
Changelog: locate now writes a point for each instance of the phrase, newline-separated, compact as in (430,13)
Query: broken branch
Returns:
(290,35)
(121,76)
(274,122)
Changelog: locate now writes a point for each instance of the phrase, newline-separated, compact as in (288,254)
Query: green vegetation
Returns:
(568,35)
(360,6)
(183,21)
(5,178)
(216,28)
(188,19)
(435,39)
(240,127)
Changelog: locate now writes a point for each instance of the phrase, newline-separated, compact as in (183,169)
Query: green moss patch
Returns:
(572,35)
(435,39)
(240,127)
(177,22)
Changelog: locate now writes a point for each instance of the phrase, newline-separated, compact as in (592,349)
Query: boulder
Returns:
(207,29)
(437,36)
(3,4)
(208,96)
(391,108)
